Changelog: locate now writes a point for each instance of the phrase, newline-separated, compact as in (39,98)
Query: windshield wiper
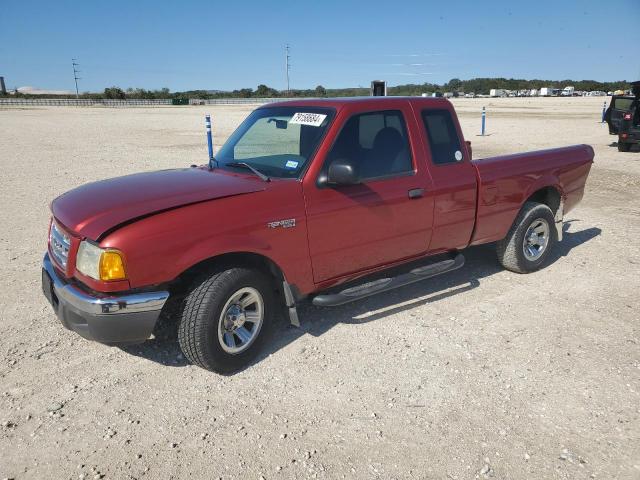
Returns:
(254,170)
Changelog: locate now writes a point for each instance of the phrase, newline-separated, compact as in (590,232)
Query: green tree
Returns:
(114,93)
(243,93)
(320,91)
(262,90)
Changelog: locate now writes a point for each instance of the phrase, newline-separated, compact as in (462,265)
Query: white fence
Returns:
(85,102)
(235,101)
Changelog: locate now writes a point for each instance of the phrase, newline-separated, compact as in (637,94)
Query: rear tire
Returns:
(530,239)
(226,319)
(624,147)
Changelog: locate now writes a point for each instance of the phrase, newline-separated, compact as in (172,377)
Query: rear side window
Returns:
(442,135)
(376,143)
(623,104)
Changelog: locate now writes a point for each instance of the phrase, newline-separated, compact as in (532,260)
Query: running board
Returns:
(384,284)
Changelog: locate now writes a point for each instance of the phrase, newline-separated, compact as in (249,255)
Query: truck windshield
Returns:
(277,141)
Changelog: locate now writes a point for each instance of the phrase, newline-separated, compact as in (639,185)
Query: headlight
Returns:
(99,263)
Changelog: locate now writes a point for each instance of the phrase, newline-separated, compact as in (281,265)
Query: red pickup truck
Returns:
(327,201)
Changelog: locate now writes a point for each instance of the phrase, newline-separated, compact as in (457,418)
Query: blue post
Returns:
(209,139)
(484,114)
(604,110)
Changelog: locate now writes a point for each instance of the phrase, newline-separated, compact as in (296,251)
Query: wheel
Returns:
(530,239)
(624,147)
(226,318)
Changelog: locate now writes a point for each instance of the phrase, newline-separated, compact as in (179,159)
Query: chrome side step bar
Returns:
(384,284)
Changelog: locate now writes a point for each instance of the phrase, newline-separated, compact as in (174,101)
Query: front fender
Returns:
(158,249)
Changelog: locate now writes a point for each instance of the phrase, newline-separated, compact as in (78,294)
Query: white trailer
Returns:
(567,91)
(546,92)
(497,92)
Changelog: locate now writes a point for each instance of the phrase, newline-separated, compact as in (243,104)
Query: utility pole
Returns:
(287,66)
(75,74)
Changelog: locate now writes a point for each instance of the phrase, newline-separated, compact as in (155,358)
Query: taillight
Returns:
(627,116)
(624,135)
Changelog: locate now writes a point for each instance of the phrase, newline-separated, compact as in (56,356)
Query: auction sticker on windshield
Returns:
(311,119)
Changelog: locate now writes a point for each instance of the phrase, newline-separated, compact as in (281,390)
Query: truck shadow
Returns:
(480,263)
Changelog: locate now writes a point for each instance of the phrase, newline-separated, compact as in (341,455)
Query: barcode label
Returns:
(311,119)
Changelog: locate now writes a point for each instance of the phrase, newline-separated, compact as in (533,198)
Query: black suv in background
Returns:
(623,118)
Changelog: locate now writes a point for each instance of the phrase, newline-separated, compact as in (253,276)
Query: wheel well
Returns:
(180,287)
(550,196)
(185,280)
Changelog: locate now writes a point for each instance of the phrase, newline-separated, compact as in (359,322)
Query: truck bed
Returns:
(506,181)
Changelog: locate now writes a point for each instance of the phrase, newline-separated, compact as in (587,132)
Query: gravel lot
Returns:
(478,373)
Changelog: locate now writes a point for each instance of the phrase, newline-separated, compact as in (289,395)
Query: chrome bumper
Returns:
(128,318)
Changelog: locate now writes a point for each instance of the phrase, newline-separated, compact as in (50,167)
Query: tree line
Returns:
(475,85)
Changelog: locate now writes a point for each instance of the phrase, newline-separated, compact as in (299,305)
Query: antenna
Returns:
(287,57)
(75,74)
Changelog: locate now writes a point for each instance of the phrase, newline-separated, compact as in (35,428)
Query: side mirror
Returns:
(468,142)
(342,172)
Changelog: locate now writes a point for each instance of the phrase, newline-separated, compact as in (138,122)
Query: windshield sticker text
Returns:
(291,164)
(311,119)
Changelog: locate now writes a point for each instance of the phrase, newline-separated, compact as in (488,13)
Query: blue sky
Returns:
(227,45)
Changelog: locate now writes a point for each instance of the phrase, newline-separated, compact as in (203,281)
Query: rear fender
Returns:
(501,219)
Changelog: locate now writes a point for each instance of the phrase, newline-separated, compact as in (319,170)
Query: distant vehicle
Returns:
(546,92)
(629,131)
(497,92)
(317,225)
(436,94)
(567,91)
(618,107)
(533,92)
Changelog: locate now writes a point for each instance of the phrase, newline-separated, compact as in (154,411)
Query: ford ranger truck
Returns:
(325,201)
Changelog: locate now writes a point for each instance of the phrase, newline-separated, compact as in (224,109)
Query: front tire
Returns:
(226,318)
(530,239)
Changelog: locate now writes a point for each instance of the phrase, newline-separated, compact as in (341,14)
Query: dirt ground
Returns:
(478,373)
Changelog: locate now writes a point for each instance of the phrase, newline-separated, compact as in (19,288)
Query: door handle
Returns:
(416,193)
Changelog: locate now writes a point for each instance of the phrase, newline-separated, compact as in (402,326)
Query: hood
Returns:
(94,208)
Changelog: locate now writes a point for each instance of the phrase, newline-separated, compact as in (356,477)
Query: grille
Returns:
(60,244)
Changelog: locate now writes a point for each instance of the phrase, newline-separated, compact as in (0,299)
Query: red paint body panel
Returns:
(160,247)
(454,188)
(377,221)
(506,182)
(166,222)
(94,208)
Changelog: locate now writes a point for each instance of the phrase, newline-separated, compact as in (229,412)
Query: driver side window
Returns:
(376,143)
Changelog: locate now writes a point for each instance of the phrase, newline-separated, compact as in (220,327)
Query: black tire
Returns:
(511,249)
(198,334)
(624,147)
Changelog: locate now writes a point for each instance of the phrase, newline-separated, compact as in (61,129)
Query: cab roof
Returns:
(362,102)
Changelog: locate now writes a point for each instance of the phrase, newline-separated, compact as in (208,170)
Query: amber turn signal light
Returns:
(111,266)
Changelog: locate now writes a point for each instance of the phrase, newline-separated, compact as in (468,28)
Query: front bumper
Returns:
(110,319)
